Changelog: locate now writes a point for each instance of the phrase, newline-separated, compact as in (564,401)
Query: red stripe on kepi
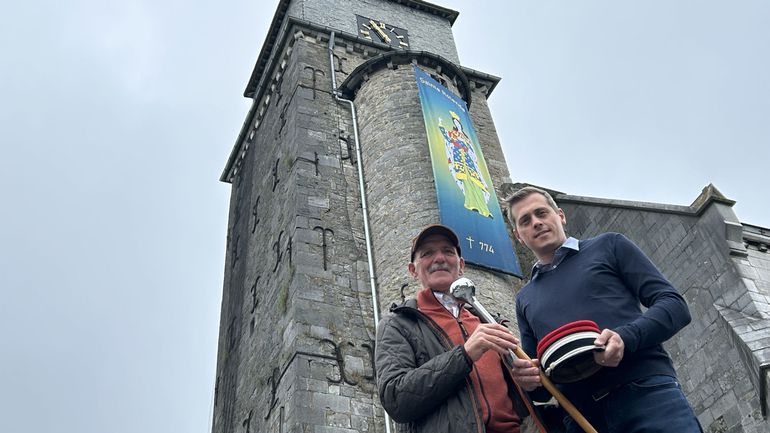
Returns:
(566,353)
(561,331)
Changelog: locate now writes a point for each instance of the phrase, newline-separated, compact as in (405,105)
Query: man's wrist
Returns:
(467,356)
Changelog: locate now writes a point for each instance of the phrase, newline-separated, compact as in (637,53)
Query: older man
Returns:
(439,369)
(604,280)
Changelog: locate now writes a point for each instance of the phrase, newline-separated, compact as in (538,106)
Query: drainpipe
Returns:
(365,212)
(763,389)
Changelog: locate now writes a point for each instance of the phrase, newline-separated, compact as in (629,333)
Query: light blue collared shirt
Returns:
(449,302)
(571,244)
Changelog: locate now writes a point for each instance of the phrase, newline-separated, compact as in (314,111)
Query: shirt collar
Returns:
(449,302)
(570,244)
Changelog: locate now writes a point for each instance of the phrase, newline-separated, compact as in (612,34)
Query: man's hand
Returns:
(490,336)
(526,373)
(613,349)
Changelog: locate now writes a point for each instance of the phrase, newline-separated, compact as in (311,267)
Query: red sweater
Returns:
(487,376)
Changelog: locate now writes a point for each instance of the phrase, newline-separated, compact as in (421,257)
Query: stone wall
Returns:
(297,324)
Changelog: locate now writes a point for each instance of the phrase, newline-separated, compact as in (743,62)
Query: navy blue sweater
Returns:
(606,281)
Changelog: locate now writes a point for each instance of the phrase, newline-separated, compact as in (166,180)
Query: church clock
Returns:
(376,30)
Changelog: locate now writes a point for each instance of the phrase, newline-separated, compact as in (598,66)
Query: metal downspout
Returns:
(367,236)
(763,389)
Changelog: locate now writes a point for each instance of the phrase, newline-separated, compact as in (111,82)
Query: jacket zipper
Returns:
(476,372)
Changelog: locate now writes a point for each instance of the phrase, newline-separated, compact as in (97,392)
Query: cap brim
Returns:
(435,229)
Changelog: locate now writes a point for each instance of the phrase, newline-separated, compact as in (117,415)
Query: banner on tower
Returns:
(466,197)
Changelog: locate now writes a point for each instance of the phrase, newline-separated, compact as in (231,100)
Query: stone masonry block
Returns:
(332,402)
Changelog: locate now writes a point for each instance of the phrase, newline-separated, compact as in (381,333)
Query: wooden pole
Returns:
(561,398)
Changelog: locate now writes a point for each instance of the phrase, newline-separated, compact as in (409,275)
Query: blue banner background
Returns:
(466,197)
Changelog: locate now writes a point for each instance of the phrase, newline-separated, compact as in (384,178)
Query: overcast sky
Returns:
(117,119)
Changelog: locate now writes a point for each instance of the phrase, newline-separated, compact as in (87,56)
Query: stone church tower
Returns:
(331,178)
(312,259)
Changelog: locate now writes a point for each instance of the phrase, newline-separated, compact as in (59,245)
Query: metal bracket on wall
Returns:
(237,213)
(324,244)
(349,146)
(763,389)
(338,63)
(254,305)
(216,390)
(232,338)
(254,214)
(340,363)
(273,380)
(312,161)
(238,200)
(275,174)
(278,252)
(235,251)
(254,300)
(277,375)
(278,91)
(282,118)
(247,422)
(314,74)
(288,249)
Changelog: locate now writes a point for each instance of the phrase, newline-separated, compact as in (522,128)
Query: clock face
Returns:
(376,30)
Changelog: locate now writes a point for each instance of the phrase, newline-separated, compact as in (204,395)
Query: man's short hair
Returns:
(523,193)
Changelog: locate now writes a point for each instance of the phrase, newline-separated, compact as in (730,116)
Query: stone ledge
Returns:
(756,359)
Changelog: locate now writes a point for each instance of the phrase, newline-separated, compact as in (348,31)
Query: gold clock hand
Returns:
(379,31)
